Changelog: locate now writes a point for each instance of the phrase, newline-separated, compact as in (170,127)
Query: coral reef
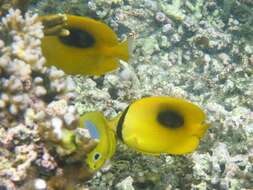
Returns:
(47,7)
(201,58)
(203,55)
(39,126)
(5,5)
(172,10)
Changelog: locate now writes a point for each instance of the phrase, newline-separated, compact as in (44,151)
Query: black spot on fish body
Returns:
(78,38)
(170,119)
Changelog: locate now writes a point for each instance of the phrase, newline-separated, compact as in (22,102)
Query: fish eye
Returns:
(97,156)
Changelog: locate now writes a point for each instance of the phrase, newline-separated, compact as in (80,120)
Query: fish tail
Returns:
(125,48)
(123,51)
(113,123)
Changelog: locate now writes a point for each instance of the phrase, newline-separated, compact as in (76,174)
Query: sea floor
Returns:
(198,50)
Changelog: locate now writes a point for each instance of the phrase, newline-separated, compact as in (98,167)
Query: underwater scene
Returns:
(126,94)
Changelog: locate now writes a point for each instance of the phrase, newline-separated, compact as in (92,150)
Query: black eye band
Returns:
(78,38)
(120,124)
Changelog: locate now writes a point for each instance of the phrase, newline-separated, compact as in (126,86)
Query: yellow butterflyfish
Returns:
(91,48)
(156,125)
(98,128)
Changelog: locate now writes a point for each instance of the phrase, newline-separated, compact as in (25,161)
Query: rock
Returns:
(126,184)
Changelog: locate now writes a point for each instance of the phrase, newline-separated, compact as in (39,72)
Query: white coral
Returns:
(26,105)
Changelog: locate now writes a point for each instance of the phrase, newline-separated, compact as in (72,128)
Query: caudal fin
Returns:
(124,49)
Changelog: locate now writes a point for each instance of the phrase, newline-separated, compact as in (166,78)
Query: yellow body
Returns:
(96,122)
(142,131)
(101,57)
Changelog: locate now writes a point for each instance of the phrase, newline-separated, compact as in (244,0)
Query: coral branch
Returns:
(36,114)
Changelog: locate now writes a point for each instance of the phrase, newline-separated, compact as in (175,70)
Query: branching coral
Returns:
(36,114)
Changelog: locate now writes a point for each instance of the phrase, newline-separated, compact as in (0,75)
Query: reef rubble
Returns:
(203,55)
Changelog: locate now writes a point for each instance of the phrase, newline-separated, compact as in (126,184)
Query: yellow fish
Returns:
(91,48)
(98,128)
(156,125)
